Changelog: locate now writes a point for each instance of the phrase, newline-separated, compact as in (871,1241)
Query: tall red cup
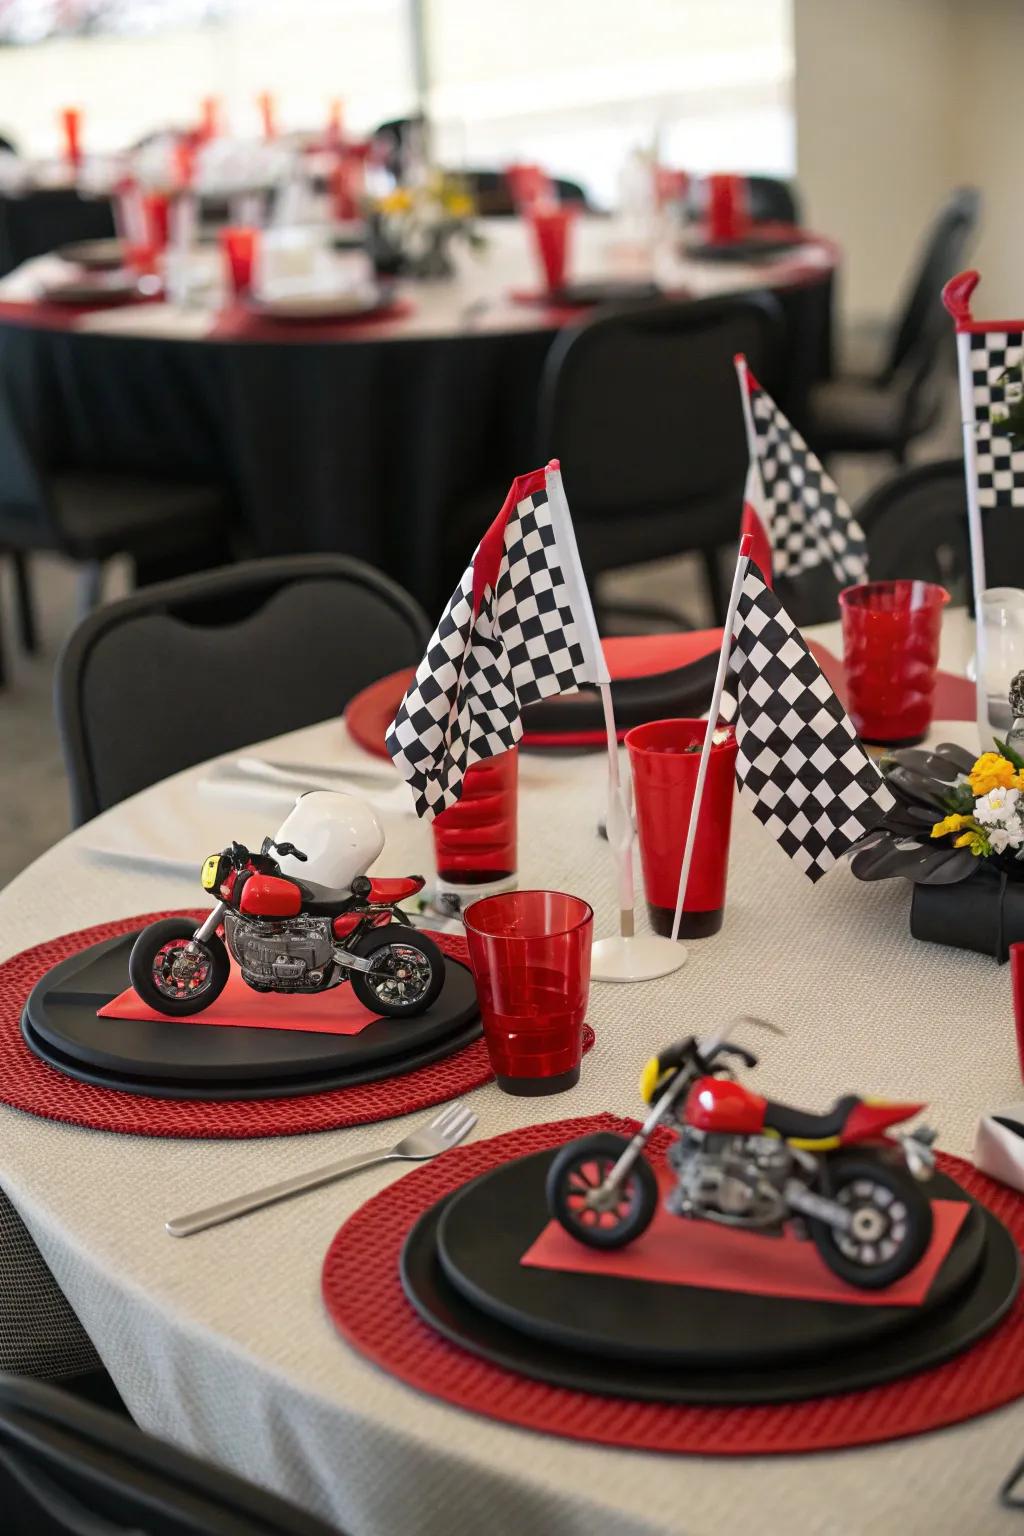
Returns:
(1017,980)
(728,215)
(239,247)
(530,955)
(664,756)
(71,122)
(209,120)
(475,840)
(551,224)
(528,184)
(891,633)
(268,114)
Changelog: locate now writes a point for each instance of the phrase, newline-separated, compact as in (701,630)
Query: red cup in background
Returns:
(209,119)
(664,756)
(728,214)
(551,224)
(528,184)
(268,114)
(475,840)
(891,654)
(239,247)
(71,122)
(1017,980)
(530,956)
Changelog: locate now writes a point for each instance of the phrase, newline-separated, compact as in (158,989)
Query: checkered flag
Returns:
(799,764)
(518,628)
(999,462)
(806,521)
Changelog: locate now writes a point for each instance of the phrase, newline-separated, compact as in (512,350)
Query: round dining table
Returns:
(221,1342)
(360,438)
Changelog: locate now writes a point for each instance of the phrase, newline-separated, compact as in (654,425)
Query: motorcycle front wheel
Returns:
(890,1223)
(406,975)
(173,972)
(581,1167)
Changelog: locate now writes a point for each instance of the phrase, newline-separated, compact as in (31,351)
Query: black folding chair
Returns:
(69,1469)
(642,407)
(493,195)
(40,221)
(884,412)
(188,669)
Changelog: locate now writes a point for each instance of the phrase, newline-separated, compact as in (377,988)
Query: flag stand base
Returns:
(642,958)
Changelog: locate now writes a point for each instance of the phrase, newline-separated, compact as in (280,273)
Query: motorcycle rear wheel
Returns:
(407,975)
(892,1223)
(150,967)
(583,1165)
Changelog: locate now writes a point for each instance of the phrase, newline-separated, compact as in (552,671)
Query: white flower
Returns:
(998,807)
(1002,838)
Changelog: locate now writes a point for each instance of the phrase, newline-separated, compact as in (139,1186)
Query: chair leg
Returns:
(3,654)
(90,587)
(713,580)
(26,607)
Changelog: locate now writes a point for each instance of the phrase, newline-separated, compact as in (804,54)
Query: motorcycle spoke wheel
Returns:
(400,976)
(582,1180)
(181,969)
(879,1223)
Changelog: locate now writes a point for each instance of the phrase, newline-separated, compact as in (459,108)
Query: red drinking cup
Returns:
(1017,980)
(71,122)
(528,184)
(530,954)
(551,224)
(891,654)
(664,756)
(239,247)
(209,109)
(268,114)
(728,216)
(475,839)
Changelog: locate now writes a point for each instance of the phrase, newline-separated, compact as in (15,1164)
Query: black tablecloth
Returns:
(360,447)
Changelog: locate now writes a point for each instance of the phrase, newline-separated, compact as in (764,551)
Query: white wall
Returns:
(897,102)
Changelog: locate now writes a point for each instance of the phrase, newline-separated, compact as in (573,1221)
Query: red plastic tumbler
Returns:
(530,954)
(551,225)
(71,122)
(1017,980)
(891,654)
(728,217)
(475,840)
(664,756)
(239,247)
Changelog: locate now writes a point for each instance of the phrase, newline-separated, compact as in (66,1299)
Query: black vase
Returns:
(984,913)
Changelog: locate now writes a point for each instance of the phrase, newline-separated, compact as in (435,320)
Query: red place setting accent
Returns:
(337,1012)
(363,1295)
(31,1085)
(676,1252)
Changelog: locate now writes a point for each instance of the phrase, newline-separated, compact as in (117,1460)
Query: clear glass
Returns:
(1002,649)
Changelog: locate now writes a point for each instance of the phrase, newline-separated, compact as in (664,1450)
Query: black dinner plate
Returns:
(750,249)
(941,1333)
(645,1321)
(61,1018)
(94,255)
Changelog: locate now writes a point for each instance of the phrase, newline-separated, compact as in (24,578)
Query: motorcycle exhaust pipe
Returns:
(799,1198)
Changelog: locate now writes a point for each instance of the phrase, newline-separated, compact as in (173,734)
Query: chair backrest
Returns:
(642,407)
(921,320)
(69,1469)
(772,201)
(493,195)
(916,526)
(40,221)
(205,664)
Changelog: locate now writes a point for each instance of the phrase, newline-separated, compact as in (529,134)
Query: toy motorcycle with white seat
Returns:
(296,919)
(744,1161)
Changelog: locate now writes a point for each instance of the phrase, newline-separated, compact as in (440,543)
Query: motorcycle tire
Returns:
(897,1218)
(142,968)
(382,990)
(582,1165)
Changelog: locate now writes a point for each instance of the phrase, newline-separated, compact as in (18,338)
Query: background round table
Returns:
(221,1342)
(354,438)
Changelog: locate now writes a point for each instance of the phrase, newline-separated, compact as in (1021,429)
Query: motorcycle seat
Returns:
(398,889)
(801,1125)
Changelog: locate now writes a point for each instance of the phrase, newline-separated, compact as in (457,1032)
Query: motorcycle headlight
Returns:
(652,1078)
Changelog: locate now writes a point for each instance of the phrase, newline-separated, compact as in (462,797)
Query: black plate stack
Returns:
(626,1337)
(183,1059)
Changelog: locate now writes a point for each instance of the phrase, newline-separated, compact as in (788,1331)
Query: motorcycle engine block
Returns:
(291,956)
(737,1180)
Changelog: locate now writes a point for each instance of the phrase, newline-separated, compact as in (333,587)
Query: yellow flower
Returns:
(1018,780)
(977,842)
(950,824)
(459,205)
(991,772)
(398,201)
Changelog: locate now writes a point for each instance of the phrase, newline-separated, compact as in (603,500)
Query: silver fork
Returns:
(446,1130)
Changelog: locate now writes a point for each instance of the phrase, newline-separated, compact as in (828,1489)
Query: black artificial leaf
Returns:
(936,765)
(918,788)
(924,863)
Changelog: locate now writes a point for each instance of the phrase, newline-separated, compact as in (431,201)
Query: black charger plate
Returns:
(941,1333)
(750,249)
(645,1321)
(60,1024)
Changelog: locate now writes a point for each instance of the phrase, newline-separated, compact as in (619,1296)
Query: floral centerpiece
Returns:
(986,809)
(412,228)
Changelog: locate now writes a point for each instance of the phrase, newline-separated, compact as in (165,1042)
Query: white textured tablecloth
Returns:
(220,1342)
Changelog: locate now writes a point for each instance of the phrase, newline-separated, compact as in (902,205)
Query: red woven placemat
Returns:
(364,1296)
(30,1084)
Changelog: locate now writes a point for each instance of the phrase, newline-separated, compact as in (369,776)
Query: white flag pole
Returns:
(753,459)
(625,957)
(742,561)
(975,531)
